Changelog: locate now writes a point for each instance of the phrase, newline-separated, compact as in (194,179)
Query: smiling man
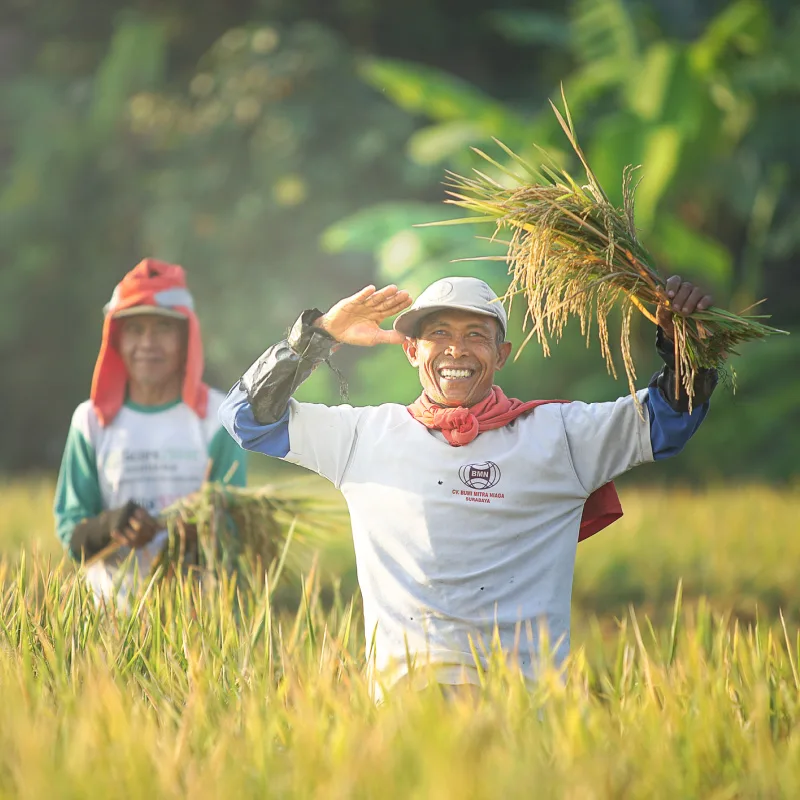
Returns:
(466,506)
(149,433)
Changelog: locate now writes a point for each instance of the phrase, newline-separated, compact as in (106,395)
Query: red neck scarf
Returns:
(149,283)
(462,425)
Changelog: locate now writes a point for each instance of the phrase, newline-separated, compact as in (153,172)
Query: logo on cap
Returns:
(440,290)
(480,476)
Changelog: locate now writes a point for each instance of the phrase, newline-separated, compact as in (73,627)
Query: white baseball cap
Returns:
(448,294)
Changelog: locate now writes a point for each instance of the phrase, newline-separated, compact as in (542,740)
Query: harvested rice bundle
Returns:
(233,525)
(573,253)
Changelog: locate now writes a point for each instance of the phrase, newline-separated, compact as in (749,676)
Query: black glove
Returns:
(91,535)
(704,383)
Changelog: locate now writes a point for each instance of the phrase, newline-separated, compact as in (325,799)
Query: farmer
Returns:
(466,506)
(148,435)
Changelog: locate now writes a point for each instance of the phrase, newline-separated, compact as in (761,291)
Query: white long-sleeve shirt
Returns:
(457,544)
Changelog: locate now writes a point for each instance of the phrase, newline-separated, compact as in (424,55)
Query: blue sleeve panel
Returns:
(670,429)
(236,415)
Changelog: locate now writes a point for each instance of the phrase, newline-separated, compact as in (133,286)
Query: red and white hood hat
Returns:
(151,287)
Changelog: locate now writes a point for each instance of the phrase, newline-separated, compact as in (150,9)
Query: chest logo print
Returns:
(480,476)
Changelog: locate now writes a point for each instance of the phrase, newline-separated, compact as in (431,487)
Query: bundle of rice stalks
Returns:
(274,526)
(573,253)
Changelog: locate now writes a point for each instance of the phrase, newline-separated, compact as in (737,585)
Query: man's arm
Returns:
(671,423)
(606,439)
(282,368)
(78,494)
(257,411)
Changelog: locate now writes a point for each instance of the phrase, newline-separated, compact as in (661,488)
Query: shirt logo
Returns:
(480,476)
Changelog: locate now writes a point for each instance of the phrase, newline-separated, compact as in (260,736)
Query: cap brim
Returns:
(407,322)
(158,311)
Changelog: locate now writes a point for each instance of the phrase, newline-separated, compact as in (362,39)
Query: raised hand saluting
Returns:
(356,319)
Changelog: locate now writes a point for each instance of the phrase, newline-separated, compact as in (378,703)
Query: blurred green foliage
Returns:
(283,152)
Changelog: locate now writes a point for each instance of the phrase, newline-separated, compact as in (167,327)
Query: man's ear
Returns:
(504,352)
(410,349)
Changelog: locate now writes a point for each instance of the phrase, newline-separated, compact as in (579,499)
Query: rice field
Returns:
(258,690)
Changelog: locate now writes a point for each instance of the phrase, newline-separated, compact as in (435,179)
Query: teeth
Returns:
(455,373)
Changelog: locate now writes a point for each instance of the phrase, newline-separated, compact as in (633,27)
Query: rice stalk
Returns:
(572,253)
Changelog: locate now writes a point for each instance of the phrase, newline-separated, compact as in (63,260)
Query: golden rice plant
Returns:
(225,694)
(573,253)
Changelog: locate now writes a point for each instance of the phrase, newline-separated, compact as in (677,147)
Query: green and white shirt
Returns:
(152,455)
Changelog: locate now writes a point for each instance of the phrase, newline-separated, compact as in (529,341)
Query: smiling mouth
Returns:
(453,374)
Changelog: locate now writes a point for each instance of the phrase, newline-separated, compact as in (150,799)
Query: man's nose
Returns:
(148,338)
(457,347)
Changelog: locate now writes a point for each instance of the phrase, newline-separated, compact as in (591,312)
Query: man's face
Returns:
(457,354)
(153,348)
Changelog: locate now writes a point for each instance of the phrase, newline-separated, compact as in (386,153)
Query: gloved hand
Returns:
(130,525)
(137,530)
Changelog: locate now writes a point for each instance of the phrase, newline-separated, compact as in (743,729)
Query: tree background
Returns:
(282,152)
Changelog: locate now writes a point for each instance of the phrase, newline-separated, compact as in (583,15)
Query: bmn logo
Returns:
(480,476)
